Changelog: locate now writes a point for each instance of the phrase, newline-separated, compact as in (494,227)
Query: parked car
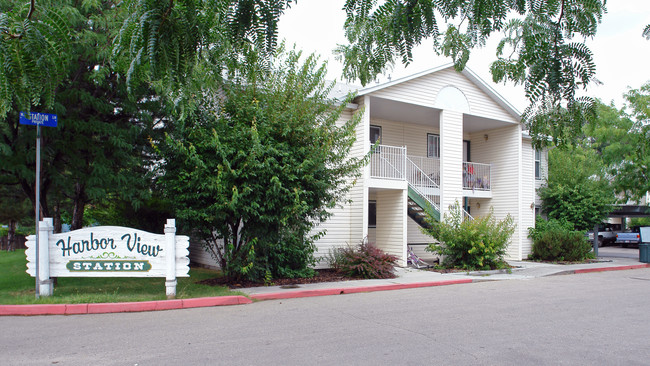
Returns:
(631,236)
(606,234)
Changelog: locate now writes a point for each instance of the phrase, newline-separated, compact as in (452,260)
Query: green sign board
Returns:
(108,266)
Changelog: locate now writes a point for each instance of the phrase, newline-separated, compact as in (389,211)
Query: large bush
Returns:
(259,165)
(555,240)
(577,190)
(470,244)
(364,260)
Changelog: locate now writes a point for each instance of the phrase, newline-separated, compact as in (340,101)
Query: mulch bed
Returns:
(322,275)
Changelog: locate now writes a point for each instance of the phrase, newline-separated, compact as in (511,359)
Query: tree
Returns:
(577,191)
(15,209)
(633,174)
(538,48)
(620,138)
(260,164)
(34,52)
(165,41)
(100,145)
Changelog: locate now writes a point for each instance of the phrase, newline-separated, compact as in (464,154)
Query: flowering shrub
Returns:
(470,244)
(365,261)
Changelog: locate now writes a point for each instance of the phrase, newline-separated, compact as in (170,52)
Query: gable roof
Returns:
(467,72)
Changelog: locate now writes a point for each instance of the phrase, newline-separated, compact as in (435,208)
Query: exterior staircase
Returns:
(417,207)
(420,195)
(392,163)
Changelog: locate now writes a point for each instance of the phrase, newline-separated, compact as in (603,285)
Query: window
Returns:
(372,214)
(538,164)
(466,155)
(375,134)
(433,145)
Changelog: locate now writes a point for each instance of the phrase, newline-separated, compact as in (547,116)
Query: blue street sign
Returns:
(38,119)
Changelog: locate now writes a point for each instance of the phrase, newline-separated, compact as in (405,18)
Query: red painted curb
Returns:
(402,286)
(354,290)
(605,269)
(75,309)
(214,301)
(37,309)
(120,307)
(297,294)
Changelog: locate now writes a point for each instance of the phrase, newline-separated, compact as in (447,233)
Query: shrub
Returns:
(470,244)
(365,261)
(555,240)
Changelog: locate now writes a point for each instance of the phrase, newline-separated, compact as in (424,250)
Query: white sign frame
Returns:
(108,251)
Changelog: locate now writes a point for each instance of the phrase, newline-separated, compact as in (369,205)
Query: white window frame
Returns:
(538,164)
(370,212)
(430,138)
(375,127)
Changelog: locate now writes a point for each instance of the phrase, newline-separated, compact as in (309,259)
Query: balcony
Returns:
(393,163)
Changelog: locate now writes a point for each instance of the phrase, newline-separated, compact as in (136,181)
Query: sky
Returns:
(621,54)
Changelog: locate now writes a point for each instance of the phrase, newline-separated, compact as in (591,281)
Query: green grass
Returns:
(17,287)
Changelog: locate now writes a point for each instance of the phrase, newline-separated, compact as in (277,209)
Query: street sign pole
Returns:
(38,120)
(37,210)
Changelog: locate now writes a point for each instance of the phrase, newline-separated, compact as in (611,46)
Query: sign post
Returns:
(38,120)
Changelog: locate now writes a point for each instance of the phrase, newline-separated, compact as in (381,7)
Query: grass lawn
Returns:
(17,287)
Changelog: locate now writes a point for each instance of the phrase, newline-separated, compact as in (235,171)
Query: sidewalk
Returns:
(412,278)
(406,278)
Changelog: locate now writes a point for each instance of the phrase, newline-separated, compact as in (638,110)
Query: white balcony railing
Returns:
(388,162)
(476,176)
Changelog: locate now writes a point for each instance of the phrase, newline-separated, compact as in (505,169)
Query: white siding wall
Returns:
(423,91)
(391,223)
(346,225)
(199,256)
(451,159)
(503,150)
(413,136)
(527,219)
(414,234)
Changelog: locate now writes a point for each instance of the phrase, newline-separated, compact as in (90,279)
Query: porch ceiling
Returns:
(393,110)
(403,112)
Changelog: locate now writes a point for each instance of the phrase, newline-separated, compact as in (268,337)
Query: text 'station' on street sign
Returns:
(38,119)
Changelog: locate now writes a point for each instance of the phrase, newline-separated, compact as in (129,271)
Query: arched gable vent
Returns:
(451,98)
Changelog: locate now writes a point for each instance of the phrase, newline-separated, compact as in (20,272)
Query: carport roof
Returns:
(630,211)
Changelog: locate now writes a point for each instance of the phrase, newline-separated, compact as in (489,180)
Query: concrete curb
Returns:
(602,269)
(121,307)
(125,307)
(353,290)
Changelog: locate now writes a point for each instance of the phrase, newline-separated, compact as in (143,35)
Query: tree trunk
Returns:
(11,236)
(57,218)
(79,201)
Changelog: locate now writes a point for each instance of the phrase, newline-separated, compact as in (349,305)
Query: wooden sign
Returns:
(108,251)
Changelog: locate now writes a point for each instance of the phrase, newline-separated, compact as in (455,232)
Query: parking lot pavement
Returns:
(618,252)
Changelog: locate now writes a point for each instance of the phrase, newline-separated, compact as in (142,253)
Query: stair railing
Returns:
(421,183)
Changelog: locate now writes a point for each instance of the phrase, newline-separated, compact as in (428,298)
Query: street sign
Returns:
(38,119)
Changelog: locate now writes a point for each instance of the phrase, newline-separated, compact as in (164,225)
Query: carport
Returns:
(623,211)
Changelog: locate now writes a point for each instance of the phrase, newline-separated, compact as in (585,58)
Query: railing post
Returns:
(45,285)
(404,163)
(170,248)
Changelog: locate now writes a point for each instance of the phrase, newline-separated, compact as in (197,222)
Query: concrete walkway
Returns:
(406,278)
(410,278)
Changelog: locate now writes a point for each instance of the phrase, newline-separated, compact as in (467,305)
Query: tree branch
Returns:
(32,7)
